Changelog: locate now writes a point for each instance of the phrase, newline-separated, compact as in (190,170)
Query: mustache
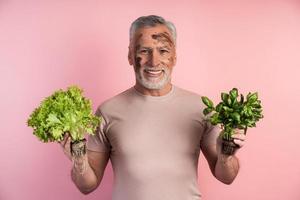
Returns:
(163,68)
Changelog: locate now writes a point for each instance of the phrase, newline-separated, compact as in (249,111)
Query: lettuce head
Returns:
(63,111)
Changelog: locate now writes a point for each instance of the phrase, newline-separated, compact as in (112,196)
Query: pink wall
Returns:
(252,45)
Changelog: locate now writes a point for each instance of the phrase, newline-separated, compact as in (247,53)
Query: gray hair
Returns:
(151,21)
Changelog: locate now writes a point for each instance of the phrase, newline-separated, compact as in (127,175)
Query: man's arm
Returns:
(224,167)
(88,170)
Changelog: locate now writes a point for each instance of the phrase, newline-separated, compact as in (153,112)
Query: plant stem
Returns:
(245,130)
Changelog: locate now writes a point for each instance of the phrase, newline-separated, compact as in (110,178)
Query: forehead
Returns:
(156,34)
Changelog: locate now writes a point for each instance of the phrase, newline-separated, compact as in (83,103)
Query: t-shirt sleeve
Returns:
(99,142)
(211,134)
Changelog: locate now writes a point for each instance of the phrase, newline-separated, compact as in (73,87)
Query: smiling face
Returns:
(152,53)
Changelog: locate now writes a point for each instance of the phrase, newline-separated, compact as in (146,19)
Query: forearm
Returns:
(83,175)
(226,168)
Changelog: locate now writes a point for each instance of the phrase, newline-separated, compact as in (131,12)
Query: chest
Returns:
(156,132)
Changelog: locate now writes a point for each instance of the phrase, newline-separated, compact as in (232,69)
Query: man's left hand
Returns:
(239,137)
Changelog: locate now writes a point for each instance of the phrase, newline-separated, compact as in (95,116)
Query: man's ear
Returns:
(175,60)
(130,56)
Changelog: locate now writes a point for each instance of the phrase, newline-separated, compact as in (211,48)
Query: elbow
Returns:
(85,187)
(87,191)
(226,176)
(227,180)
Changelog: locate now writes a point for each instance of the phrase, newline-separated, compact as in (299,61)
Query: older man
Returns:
(154,131)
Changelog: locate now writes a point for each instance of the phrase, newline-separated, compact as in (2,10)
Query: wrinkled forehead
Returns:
(158,34)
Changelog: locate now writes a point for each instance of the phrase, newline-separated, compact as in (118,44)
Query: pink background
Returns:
(252,45)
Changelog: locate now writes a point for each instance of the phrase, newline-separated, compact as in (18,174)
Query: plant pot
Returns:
(229,147)
(78,148)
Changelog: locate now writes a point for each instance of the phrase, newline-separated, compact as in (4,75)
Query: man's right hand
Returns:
(87,170)
(66,145)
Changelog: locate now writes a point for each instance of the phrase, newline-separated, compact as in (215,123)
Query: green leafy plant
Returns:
(63,111)
(232,113)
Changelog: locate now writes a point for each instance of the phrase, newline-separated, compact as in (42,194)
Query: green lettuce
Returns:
(232,113)
(62,112)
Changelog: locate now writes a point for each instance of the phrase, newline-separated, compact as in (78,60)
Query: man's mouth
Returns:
(153,73)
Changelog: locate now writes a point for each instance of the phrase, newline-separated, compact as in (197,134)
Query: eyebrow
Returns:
(164,35)
(165,46)
(150,48)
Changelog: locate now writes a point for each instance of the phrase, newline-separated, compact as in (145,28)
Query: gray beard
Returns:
(139,75)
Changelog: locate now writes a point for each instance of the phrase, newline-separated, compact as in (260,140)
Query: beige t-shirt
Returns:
(154,143)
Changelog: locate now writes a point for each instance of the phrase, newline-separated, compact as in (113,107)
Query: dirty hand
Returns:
(76,152)
(66,145)
(239,137)
(73,150)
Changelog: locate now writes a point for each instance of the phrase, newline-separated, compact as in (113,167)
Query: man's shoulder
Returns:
(189,99)
(117,100)
(185,93)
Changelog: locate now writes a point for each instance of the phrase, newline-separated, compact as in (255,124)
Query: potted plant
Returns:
(232,113)
(64,112)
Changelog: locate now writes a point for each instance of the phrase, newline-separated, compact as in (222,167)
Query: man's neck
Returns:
(154,92)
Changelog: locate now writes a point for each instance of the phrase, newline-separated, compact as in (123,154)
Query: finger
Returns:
(239,136)
(240,143)
(67,145)
(65,140)
(239,131)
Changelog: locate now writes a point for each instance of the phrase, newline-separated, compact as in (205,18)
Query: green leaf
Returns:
(214,119)
(234,93)
(251,98)
(227,109)
(257,110)
(206,111)
(256,104)
(57,134)
(52,119)
(207,102)
(224,97)
(89,130)
(219,107)
(236,116)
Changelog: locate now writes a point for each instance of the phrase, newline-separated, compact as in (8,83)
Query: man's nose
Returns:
(155,59)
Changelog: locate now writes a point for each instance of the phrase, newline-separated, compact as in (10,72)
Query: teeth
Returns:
(154,71)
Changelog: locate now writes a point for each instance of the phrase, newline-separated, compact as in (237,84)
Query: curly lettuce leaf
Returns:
(63,111)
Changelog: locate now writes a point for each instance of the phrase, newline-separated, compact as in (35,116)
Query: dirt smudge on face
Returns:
(137,63)
(137,37)
(164,38)
(137,59)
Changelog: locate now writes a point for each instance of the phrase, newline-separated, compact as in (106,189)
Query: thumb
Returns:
(64,140)
(66,146)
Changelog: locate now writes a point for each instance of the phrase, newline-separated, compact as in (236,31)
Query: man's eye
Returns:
(164,51)
(143,51)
